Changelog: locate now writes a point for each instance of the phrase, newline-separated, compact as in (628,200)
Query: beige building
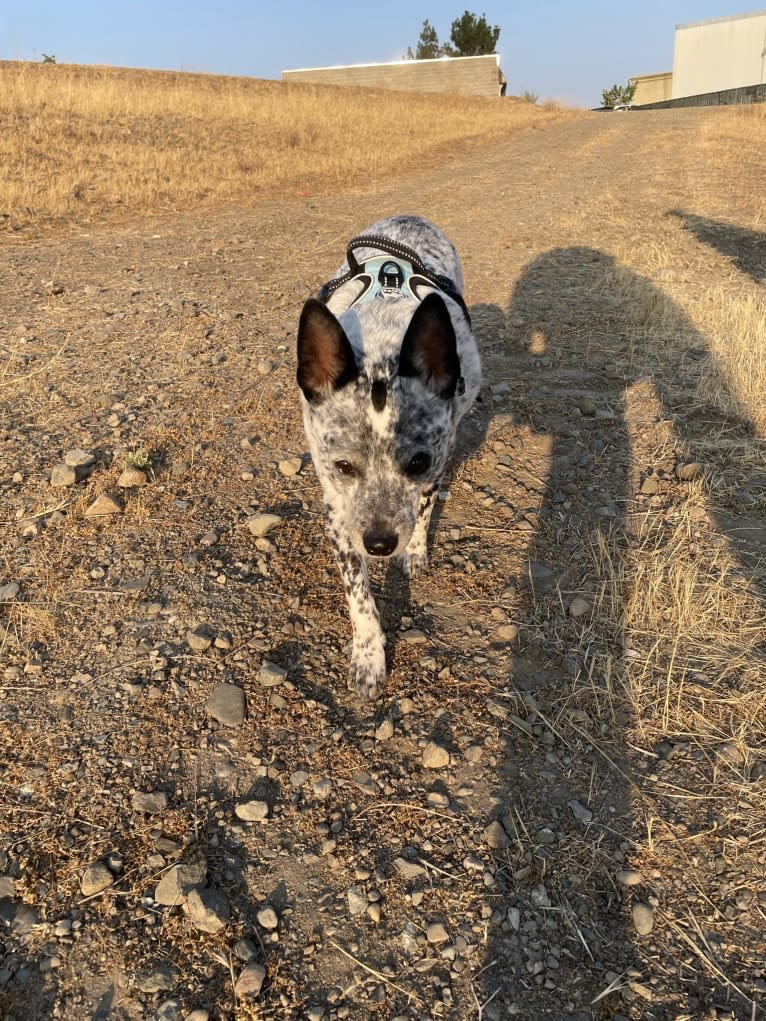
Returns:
(724,53)
(466,76)
(652,88)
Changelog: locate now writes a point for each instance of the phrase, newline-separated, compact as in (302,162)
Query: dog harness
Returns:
(399,272)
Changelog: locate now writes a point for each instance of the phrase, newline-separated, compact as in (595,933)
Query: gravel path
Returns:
(197,818)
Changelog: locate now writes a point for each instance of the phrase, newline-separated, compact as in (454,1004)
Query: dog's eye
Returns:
(345,467)
(419,463)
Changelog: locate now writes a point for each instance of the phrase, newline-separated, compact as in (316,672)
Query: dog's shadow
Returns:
(391,586)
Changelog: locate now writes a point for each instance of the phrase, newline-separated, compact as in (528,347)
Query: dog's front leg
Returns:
(414,561)
(368,656)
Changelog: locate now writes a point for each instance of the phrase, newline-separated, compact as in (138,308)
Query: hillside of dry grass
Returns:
(83,144)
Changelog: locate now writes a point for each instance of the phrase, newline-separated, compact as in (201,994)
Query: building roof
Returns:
(729,17)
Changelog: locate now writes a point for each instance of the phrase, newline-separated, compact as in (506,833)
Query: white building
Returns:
(723,53)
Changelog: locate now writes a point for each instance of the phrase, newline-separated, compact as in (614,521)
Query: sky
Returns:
(559,49)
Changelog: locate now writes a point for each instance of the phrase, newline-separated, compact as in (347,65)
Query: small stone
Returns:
(514,918)
(437,933)
(435,756)
(208,909)
(62,476)
(7,888)
(385,731)
(508,632)
(495,836)
(95,879)
(579,607)
(580,812)
(24,919)
(132,478)
(200,638)
(628,877)
(587,407)
(250,981)
(688,472)
(373,912)
(252,811)
(473,753)
(271,674)
(414,636)
(316,1013)
(649,486)
(261,524)
(322,788)
(152,803)
(170,1010)
(161,977)
(103,506)
(539,897)
(227,705)
(198,1015)
(82,459)
(177,883)
(267,918)
(409,870)
(290,466)
(299,778)
(357,902)
(643,918)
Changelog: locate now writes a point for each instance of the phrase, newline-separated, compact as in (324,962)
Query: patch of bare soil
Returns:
(508,831)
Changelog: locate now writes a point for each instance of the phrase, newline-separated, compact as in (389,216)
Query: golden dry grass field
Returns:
(587,654)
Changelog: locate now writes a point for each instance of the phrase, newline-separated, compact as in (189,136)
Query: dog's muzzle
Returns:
(380,542)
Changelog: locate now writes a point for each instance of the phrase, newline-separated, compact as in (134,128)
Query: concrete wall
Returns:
(467,76)
(652,88)
(725,53)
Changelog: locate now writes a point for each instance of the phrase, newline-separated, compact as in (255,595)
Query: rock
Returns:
(643,918)
(580,812)
(628,877)
(508,632)
(7,888)
(161,977)
(62,476)
(373,912)
(23,918)
(649,486)
(435,756)
(587,407)
(170,1010)
(252,811)
(250,981)
(414,636)
(290,466)
(176,885)
(409,870)
(198,1015)
(9,592)
(357,902)
(227,705)
(267,918)
(103,506)
(495,836)
(261,524)
(80,459)
(208,909)
(539,897)
(540,577)
(437,933)
(200,638)
(688,472)
(151,803)
(95,879)
(579,607)
(132,478)
(385,731)
(271,674)
(299,778)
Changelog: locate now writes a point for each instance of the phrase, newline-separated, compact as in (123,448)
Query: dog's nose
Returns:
(380,543)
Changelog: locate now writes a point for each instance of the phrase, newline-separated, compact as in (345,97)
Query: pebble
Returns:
(357,901)
(373,912)
(161,977)
(227,705)
(62,476)
(9,592)
(437,933)
(580,812)
(539,897)
(261,524)
(208,909)
(132,478)
(579,607)
(250,981)
(508,632)
(95,879)
(385,731)
(643,918)
(649,486)
(495,836)
(199,638)
(267,918)
(170,1010)
(409,870)
(7,888)
(414,636)
(82,459)
(435,756)
(628,877)
(198,1015)
(152,803)
(290,466)
(252,811)
(103,506)
(298,778)
(176,885)
(271,674)
(688,472)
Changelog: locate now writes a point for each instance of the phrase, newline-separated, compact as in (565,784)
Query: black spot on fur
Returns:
(379,394)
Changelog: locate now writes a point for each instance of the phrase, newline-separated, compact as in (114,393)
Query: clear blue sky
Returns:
(558,48)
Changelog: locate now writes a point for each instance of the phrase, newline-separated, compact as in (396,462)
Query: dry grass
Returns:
(80,143)
(735,141)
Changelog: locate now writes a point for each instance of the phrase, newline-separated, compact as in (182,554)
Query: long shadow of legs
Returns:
(745,247)
(621,716)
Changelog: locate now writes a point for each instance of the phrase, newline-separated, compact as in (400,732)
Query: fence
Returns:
(728,97)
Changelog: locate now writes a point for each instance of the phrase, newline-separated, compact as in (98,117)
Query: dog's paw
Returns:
(367,673)
(414,563)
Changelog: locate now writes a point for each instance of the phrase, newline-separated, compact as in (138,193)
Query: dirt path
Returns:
(558,866)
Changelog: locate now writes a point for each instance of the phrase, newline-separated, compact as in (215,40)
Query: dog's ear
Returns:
(325,357)
(429,348)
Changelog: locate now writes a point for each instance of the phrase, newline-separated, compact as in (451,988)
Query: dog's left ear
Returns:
(326,359)
(429,348)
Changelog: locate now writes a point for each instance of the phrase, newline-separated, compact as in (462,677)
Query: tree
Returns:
(472,36)
(428,47)
(618,95)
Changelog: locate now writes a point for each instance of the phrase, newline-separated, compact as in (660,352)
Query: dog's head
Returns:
(380,424)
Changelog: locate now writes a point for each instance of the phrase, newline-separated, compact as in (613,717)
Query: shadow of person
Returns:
(603,370)
(745,247)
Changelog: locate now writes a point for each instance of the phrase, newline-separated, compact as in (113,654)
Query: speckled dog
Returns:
(388,366)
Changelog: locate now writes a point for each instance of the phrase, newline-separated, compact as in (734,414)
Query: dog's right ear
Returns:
(325,357)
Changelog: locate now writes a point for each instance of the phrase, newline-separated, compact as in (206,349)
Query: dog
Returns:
(387,367)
